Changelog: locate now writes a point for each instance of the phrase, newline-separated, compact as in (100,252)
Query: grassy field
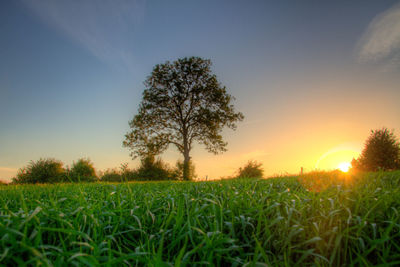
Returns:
(317,219)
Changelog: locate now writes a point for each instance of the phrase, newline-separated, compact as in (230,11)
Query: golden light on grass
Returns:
(344,166)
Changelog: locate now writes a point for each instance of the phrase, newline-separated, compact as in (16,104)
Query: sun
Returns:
(338,158)
(344,166)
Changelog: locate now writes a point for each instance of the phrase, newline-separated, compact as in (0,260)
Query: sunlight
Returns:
(337,158)
(344,166)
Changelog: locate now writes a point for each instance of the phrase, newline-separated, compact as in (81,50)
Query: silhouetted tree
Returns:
(183,102)
(381,152)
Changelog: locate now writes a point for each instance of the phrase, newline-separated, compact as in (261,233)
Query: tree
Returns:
(251,170)
(381,152)
(183,103)
(42,171)
(82,171)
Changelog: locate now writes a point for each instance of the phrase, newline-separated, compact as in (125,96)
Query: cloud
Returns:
(380,43)
(104,28)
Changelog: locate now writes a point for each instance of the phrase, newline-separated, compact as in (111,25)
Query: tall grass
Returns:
(285,221)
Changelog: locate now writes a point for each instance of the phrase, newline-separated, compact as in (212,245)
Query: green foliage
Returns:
(183,103)
(252,169)
(42,171)
(150,169)
(153,169)
(381,152)
(112,176)
(179,170)
(355,221)
(82,171)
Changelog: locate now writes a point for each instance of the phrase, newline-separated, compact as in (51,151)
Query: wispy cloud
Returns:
(381,42)
(105,28)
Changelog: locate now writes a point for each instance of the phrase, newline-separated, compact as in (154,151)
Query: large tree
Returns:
(381,152)
(183,103)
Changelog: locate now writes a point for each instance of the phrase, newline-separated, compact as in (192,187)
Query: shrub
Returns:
(82,171)
(251,170)
(381,152)
(152,169)
(178,172)
(42,171)
(111,175)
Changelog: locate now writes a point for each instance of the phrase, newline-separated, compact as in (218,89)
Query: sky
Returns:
(312,78)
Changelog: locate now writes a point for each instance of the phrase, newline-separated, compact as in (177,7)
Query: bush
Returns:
(111,176)
(42,171)
(178,172)
(381,152)
(251,170)
(152,169)
(82,171)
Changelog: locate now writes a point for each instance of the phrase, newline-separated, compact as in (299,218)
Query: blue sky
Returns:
(310,76)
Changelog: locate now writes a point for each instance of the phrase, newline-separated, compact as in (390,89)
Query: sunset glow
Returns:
(344,166)
(337,158)
(309,99)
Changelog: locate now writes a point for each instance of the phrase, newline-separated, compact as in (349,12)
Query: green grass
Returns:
(319,219)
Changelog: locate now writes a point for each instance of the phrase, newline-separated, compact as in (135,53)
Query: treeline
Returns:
(51,170)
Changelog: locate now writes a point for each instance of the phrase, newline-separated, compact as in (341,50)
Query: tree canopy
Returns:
(82,170)
(41,171)
(252,169)
(183,103)
(381,152)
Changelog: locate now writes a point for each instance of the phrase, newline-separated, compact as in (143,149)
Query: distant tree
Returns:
(42,171)
(252,169)
(150,169)
(183,102)
(82,171)
(111,175)
(381,152)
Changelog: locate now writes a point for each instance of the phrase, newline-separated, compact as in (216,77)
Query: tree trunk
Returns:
(186,158)
(186,166)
